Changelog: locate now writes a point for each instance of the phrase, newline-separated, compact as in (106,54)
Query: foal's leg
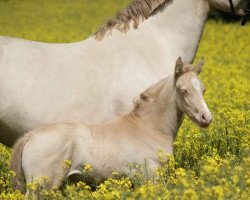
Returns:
(44,155)
(45,179)
(44,172)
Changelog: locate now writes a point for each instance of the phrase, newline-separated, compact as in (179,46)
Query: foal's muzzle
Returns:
(205,119)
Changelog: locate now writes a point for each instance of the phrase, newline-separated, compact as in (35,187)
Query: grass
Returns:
(57,20)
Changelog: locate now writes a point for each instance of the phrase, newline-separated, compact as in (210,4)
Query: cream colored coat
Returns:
(46,83)
(151,126)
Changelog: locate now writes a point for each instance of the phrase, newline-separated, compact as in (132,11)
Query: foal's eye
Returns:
(184,91)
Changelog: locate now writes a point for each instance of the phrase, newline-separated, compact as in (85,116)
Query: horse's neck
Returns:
(172,32)
(181,23)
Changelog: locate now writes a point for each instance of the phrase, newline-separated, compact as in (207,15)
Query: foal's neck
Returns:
(162,115)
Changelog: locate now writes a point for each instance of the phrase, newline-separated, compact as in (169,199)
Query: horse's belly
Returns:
(41,85)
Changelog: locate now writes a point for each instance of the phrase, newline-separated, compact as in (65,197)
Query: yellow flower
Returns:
(87,168)
(67,164)
(190,194)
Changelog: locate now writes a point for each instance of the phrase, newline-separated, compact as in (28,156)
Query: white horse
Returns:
(43,83)
(109,147)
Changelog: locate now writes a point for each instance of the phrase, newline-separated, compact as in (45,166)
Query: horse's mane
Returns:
(137,11)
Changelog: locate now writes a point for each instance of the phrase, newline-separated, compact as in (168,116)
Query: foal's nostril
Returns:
(205,119)
(203,116)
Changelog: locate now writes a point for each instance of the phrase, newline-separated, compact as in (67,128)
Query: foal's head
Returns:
(185,90)
(189,92)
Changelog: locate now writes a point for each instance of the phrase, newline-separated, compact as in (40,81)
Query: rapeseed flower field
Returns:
(211,163)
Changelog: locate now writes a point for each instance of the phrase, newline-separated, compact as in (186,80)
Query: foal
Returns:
(151,125)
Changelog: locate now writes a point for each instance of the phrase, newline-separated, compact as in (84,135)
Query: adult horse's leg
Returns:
(7,135)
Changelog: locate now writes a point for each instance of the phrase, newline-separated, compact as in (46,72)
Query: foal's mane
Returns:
(137,11)
(148,95)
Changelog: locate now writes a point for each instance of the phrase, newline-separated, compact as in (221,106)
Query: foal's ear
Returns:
(178,68)
(198,68)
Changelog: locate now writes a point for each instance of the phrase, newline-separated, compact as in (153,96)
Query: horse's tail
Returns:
(16,163)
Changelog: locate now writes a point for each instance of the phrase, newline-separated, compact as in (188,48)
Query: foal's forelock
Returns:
(137,11)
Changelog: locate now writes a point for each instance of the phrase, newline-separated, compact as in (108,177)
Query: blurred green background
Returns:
(55,20)
(62,20)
